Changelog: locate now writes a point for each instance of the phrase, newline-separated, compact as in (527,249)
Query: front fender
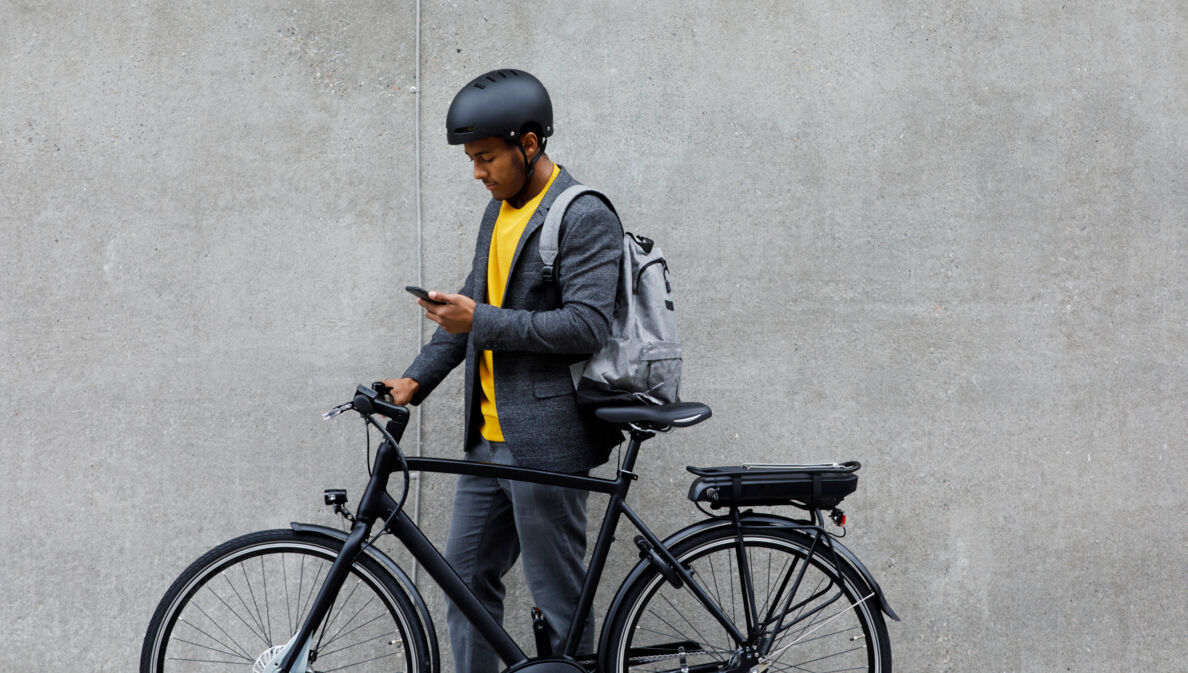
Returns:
(397,572)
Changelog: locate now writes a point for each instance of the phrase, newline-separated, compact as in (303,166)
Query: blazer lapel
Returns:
(483,250)
(563,182)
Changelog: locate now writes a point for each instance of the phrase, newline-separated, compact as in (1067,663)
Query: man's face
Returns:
(499,165)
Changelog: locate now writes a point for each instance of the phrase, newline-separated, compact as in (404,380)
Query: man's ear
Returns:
(531,143)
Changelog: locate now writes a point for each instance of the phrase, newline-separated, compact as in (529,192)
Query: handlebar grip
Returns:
(373,401)
(382,390)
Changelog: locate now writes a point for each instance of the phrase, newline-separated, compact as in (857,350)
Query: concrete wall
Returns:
(942,238)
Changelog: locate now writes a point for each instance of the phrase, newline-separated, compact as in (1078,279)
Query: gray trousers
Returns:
(491,517)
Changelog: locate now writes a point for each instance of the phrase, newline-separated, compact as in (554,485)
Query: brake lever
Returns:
(338,410)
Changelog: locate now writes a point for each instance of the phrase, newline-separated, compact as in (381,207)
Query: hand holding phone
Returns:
(421,293)
(455,315)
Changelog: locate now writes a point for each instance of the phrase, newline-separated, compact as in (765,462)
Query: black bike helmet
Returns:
(499,103)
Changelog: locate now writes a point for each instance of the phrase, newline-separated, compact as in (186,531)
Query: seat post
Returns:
(638,437)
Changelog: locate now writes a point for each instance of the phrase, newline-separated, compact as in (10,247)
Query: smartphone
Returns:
(421,293)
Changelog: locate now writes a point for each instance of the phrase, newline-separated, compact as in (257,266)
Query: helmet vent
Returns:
(480,86)
(464,129)
(490,78)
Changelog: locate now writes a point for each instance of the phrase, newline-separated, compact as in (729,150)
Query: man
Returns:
(518,333)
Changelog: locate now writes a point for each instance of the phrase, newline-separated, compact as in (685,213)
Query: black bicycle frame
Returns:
(378,504)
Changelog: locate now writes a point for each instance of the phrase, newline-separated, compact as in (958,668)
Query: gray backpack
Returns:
(641,361)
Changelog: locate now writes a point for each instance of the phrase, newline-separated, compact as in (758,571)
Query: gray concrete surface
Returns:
(942,238)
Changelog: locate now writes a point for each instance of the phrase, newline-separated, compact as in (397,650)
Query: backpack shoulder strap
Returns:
(550,232)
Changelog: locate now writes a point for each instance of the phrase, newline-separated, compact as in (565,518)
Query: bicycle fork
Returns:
(295,655)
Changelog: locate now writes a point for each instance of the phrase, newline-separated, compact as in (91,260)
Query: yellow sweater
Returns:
(504,240)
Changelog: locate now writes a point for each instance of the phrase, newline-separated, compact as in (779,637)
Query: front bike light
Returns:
(335,496)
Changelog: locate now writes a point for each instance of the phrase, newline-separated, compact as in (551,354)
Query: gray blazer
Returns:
(541,329)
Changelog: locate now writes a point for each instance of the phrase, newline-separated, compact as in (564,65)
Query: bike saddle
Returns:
(678,415)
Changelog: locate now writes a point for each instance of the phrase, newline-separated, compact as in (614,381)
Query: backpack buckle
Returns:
(547,274)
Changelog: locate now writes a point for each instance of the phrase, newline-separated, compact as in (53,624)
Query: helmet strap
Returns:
(531,165)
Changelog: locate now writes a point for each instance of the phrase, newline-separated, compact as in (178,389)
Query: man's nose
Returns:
(479,172)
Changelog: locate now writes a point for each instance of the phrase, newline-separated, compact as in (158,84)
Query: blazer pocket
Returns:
(554,389)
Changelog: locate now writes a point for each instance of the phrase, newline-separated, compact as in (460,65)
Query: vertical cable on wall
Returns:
(420,257)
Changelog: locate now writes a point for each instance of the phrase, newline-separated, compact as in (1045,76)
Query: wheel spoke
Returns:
(208,661)
(232,610)
(338,613)
(214,649)
(684,616)
(267,612)
(309,597)
(381,636)
(335,610)
(802,613)
(259,619)
(340,635)
(730,574)
(801,665)
(360,663)
(234,645)
(288,609)
(783,575)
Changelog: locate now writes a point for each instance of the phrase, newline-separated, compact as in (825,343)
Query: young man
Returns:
(518,333)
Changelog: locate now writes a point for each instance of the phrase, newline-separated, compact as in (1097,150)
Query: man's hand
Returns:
(402,390)
(455,316)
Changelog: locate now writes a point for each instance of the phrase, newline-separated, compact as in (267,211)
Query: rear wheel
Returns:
(235,607)
(798,611)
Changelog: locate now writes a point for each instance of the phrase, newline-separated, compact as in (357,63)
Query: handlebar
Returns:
(376,400)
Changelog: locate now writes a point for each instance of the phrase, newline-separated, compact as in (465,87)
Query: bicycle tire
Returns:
(657,627)
(238,603)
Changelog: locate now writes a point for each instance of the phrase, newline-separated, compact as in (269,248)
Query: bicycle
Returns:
(741,591)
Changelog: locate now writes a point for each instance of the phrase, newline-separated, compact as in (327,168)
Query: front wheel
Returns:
(235,607)
(798,611)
